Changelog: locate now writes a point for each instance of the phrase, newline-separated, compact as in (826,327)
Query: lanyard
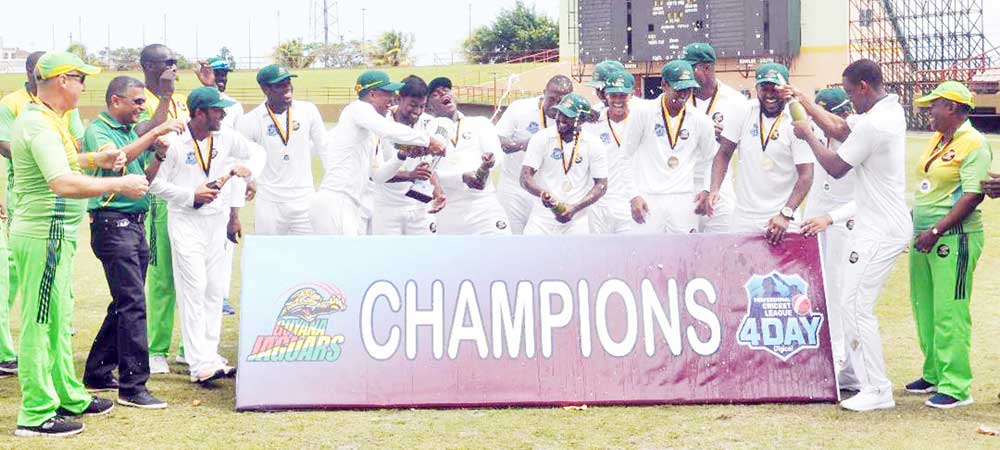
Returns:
(541,112)
(613,133)
(206,164)
(59,128)
(935,156)
(766,138)
(287,133)
(671,134)
(458,132)
(568,163)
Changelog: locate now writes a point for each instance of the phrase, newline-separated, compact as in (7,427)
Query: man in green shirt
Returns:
(118,240)
(949,239)
(51,189)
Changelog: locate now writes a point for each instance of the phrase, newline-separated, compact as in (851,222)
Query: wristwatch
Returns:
(787,213)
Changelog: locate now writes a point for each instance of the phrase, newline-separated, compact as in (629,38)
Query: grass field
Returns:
(214,424)
(309,85)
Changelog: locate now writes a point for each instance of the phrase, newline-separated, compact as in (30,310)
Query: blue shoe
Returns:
(921,386)
(227,309)
(944,401)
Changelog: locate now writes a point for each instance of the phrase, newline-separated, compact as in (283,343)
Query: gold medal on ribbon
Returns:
(567,186)
(673,162)
(766,163)
(283,134)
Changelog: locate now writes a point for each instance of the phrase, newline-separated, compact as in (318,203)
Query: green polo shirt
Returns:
(43,149)
(105,131)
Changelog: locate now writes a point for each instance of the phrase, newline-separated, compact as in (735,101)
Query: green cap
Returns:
(833,100)
(273,74)
(53,64)
(375,79)
(602,70)
(221,64)
(679,75)
(772,73)
(572,105)
(207,97)
(620,82)
(951,90)
(699,52)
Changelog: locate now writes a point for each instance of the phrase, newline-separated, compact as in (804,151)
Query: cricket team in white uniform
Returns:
(662,167)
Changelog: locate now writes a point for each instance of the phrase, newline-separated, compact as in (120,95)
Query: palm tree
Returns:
(393,49)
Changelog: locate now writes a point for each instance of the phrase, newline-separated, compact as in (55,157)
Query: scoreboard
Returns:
(657,30)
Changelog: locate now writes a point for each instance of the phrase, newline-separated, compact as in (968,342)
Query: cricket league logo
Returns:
(780,318)
(299,333)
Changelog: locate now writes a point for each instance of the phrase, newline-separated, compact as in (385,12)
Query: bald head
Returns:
(154,53)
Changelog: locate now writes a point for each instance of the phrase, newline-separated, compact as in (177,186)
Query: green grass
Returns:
(214,424)
(311,84)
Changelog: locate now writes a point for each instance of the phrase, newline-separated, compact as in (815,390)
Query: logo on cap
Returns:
(685,75)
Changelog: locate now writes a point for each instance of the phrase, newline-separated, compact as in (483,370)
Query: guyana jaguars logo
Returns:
(299,333)
(780,319)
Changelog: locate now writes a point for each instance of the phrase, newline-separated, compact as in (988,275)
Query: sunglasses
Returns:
(79,76)
(167,62)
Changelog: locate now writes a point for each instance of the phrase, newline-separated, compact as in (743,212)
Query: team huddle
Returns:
(163,175)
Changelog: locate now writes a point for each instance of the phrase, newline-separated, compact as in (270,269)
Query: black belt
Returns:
(110,215)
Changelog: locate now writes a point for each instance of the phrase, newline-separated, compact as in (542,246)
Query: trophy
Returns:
(423,190)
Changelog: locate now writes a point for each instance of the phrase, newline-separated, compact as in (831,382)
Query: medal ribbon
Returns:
(613,133)
(671,134)
(766,138)
(287,133)
(935,156)
(541,112)
(568,163)
(458,132)
(206,164)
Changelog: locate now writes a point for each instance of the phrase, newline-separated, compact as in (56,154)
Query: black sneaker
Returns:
(102,386)
(8,367)
(944,401)
(143,400)
(921,386)
(56,426)
(98,407)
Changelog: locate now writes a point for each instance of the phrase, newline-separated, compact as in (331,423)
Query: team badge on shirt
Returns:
(578,160)
(948,156)
(660,130)
(466,135)
(557,154)
(780,318)
(606,138)
(501,225)
(533,127)
(684,134)
(755,130)
(718,118)
(850,224)
(943,251)
(854,257)
(925,186)
(190,159)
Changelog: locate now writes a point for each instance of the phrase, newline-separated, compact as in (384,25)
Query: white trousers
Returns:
(282,218)
(200,279)
(517,203)
(229,249)
(863,279)
(722,217)
(669,214)
(479,215)
(835,242)
(411,220)
(335,213)
(541,221)
(611,216)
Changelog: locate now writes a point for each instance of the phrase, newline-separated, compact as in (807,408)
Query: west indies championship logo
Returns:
(780,318)
(299,333)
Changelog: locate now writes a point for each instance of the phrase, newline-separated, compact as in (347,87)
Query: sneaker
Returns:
(869,401)
(227,309)
(8,367)
(208,375)
(102,386)
(143,400)
(158,364)
(229,371)
(180,360)
(944,401)
(98,407)
(56,426)
(921,386)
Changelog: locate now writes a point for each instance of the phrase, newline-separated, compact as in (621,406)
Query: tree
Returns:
(293,54)
(80,50)
(515,31)
(346,54)
(122,58)
(392,49)
(225,54)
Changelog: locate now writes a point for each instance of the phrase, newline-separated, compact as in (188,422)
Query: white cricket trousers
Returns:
(406,221)
(517,203)
(543,222)
(611,216)
(479,215)
(834,242)
(200,279)
(282,218)
(872,264)
(669,214)
(335,213)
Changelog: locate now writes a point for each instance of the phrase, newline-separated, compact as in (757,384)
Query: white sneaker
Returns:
(869,401)
(180,360)
(158,364)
